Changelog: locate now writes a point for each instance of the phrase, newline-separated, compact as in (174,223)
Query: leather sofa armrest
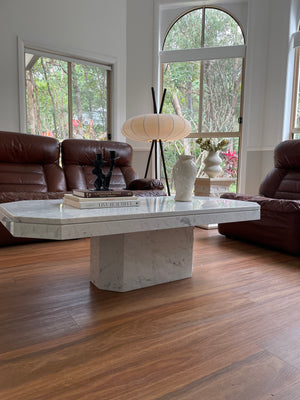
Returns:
(267,203)
(237,196)
(277,205)
(145,184)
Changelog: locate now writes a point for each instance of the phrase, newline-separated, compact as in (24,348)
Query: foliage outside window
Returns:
(206,91)
(66,98)
(295,114)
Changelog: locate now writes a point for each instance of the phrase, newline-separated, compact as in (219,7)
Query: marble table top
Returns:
(51,219)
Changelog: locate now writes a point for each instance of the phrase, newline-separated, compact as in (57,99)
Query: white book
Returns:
(98,199)
(100,204)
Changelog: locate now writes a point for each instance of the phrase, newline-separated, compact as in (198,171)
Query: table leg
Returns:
(131,261)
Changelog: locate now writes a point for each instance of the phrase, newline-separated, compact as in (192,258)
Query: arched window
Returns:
(202,61)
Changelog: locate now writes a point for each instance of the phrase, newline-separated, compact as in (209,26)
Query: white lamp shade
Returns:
(148,127)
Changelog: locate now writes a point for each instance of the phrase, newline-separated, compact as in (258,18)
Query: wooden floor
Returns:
(232,332)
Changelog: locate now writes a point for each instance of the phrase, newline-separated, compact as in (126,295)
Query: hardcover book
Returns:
(102,193)
(107,202)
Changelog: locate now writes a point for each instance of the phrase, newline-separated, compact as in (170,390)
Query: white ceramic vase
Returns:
(184,175)
(212,164)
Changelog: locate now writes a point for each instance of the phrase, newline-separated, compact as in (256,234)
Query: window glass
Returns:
(47,97)
(209,101)
(221,29)
(229,156)
(297,102)
(295,111)
(65,99)
(182,81)
(221,95)
(89,97)
(186,33)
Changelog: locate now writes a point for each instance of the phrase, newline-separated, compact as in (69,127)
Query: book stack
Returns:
(101,199)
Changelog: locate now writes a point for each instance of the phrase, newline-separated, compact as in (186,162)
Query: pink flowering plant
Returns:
(230,163)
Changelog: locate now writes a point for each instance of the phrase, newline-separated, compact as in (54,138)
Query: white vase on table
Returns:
(212,164)
(184,175)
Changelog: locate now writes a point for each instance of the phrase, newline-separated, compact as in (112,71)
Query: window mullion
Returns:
(203,28)
(200,125)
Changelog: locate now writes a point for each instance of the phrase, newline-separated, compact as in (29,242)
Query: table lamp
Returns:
(156,128)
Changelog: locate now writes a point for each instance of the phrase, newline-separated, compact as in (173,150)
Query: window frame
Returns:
(114,118)
(296,77)
(203,54)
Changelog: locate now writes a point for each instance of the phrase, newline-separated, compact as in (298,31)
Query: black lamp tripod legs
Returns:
(154,144)
(164,166)
(149,158)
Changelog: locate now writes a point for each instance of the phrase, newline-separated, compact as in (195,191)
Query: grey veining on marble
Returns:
(50,219)
(135,260)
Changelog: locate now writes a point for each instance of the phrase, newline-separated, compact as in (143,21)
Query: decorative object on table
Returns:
(184,175)
(213,160)
(102,193)
(156,128)
(102,181)
(212,187)
(107,202)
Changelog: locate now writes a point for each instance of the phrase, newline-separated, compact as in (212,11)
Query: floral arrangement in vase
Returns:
(213,145)
(212,161)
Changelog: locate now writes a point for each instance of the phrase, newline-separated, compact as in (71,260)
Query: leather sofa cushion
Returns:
(78,157)
(283,182)
(286,155)
(31,178)
(30,163)
(23,148)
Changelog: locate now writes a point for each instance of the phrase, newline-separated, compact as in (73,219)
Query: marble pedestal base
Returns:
(131,261)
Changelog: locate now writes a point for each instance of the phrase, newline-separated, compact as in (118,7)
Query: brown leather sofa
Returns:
(30,170)
(78,157)
(279,198)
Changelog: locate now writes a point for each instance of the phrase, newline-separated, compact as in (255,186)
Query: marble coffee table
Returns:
(131,247)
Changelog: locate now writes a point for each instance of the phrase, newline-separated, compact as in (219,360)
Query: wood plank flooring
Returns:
(232,332)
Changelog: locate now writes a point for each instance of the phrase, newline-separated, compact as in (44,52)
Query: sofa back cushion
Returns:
(30,163)
(79,155)
(283,182)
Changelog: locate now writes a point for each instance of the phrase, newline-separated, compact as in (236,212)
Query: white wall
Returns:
(95,27)
(266,107)
(140,34)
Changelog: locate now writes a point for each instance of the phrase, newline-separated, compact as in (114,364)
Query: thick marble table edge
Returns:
(49,219)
